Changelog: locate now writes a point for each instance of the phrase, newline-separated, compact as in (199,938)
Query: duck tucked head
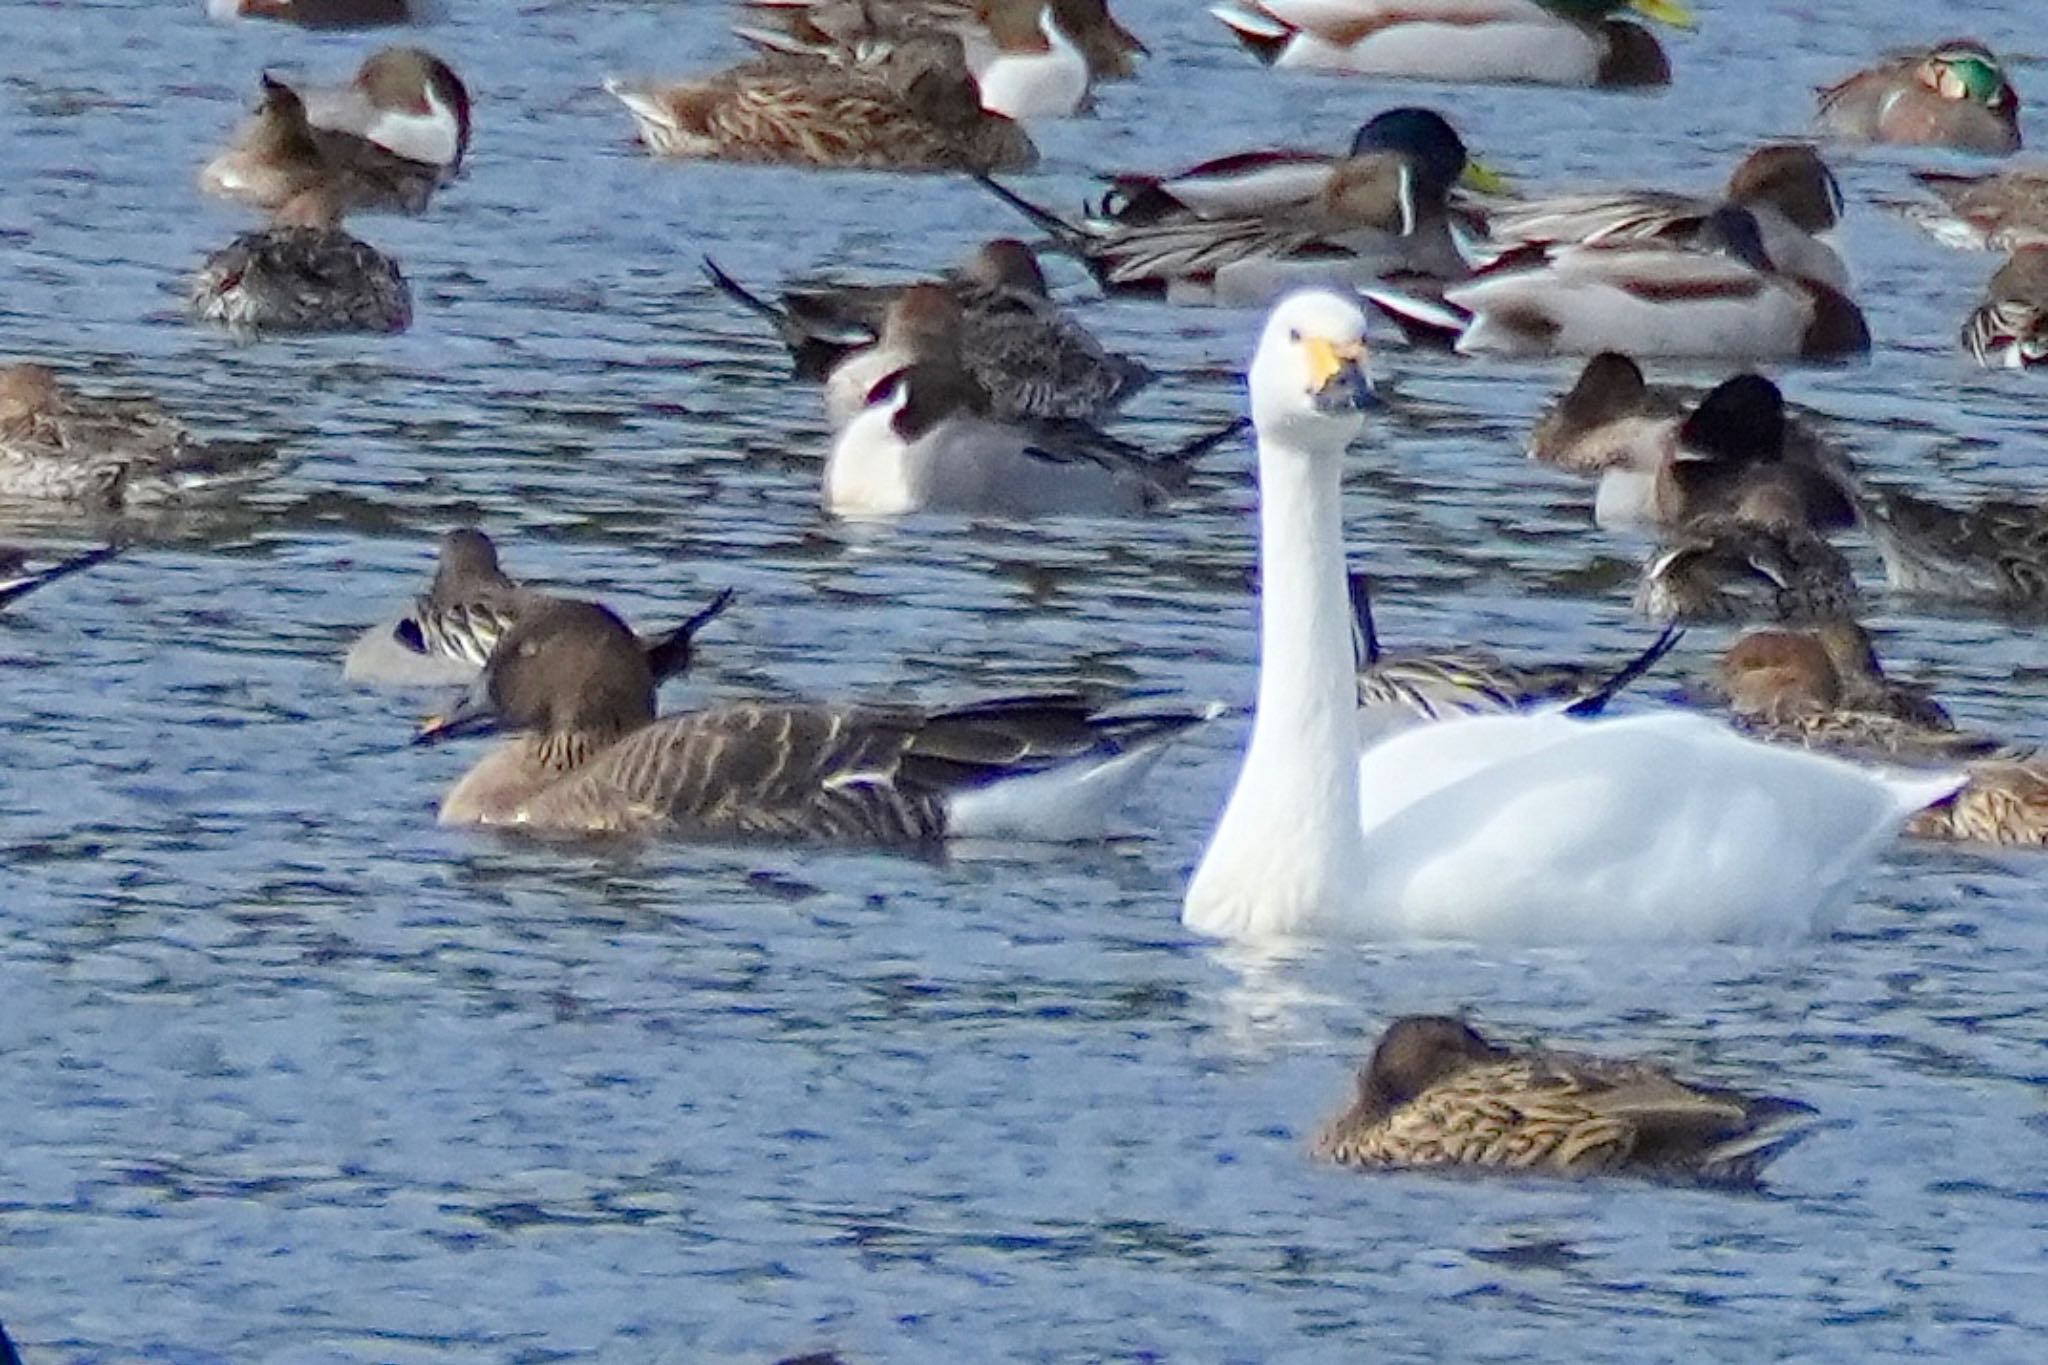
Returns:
(572,673)
(1965,71)
(1006,263)
(1415,1053)
(1309,386)
(1790,177)
(924,322)
(1421,136)
(1776,673)
(467,555)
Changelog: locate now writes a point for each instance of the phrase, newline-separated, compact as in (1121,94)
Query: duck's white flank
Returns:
(1531,827)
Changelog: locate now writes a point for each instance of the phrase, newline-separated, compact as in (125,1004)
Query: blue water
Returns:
(294,1075)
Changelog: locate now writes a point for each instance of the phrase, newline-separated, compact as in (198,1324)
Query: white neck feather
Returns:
(1288,852)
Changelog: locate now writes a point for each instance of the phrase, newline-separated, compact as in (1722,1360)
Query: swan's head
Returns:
(1309,386)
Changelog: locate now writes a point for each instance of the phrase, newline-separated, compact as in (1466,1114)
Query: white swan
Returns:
(1530,827)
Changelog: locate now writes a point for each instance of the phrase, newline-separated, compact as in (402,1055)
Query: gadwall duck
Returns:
(1714,292)
(1435,1094)
(383,141)
(1542,42)
(1032,358)
(1954,94)
(58,444)
(448,632)
(18,580)
(2008,330)
(915,108)
(1383,209)
(1402,686)
(1999,212)
(303,273)
(1830,695)
(594,758)
(1788,190)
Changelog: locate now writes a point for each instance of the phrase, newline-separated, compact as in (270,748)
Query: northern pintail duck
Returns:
(594,758)
(1032,358)
(1713,293)
(1999,212)
(1995,552)
(1733,455)
(1535,826)
(57,444)
(325,14)
(386,140)
(304,273)
(915,108)
(1954,94)
(18,580)
(1547,42)
(926,441)
(1819,693)
(447,634)
(836,28)
(1402,686)
(1786,187)
(2008,330)
(1384,208)
(1437,1095)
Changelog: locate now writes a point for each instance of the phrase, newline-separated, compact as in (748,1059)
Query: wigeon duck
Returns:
(1384,208)
(57,444)
(18,580)
(1531,827)
(915,108)
(1999,212)
(1786,187)
(1435,1095)
(2008,330)
(1954,95)
(594,758)
(447,634)
(1545,42)
(1714,292)
(303,273)
(1033,359)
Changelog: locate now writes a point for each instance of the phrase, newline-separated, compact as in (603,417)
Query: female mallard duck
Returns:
(1786,187)
(1716,293)
(1384,208)
(1435,1094)
(304,273)
(916,108)
(57,444)
(1033,359)
(1995,552)
(1547,42)
(447,634)
(2000,212)
(388,139)
(594,759)
(837,30)
(1531,827)
(1952,95)
(2009,329)
(1828,694)
(1728,568)
(1400,687)
(18,580)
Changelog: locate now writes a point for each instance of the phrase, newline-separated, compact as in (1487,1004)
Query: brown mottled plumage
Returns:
(1995,551)
(1437,1094)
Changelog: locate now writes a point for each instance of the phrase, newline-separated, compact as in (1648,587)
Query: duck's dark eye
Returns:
(1294,336)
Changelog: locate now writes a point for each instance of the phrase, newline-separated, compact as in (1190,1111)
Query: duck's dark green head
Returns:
(1967,72)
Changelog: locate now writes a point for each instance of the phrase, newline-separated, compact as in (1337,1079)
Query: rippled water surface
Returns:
(294,1075)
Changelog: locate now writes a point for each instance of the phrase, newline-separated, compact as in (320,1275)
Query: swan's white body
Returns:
(1533,827)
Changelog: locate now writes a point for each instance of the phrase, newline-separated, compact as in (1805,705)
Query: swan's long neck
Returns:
(1288,852)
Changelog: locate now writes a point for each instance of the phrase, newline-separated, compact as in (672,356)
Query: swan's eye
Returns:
(1294,335)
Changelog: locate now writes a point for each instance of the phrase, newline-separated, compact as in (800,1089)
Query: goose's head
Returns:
(1309,385)
(572,669)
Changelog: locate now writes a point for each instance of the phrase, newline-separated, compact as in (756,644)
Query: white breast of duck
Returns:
(1034,70)
(1472,40)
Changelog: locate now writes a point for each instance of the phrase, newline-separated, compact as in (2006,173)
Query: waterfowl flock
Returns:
(1386,792)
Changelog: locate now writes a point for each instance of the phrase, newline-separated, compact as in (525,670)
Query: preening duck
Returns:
(1437,1095)
(1547,42)
(594,759)
(1952,95)
(304,273)
(447,634)
(1529,827)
